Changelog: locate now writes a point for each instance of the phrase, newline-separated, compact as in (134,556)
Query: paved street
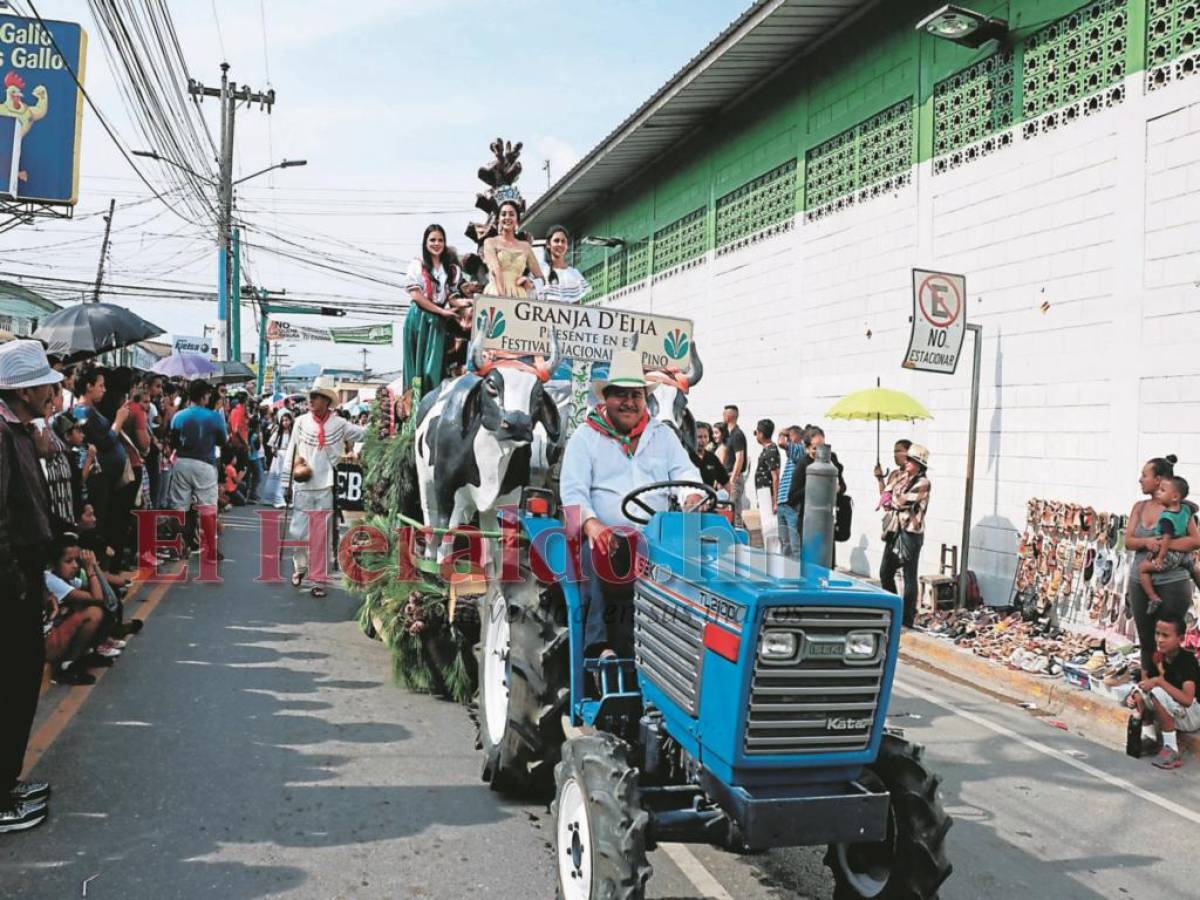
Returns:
(250,744)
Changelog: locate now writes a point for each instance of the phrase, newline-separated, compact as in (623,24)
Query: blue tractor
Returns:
(751,716)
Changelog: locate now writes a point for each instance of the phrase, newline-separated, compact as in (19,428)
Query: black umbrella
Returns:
(230,371)
(91,328)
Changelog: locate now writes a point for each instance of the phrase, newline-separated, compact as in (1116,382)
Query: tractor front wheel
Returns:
(600,828)
(910,863)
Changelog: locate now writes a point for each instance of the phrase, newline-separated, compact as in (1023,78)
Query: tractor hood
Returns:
(769,671)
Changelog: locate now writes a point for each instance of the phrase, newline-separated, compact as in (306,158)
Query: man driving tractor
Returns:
(620,449)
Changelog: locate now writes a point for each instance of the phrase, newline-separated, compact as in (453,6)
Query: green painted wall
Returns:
(822,113)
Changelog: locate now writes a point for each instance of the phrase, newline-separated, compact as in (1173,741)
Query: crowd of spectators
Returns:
(82,449)
(780,478)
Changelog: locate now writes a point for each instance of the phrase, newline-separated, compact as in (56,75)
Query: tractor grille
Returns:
(669,647)
(822,704)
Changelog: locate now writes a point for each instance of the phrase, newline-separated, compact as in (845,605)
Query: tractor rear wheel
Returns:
(600,828)
(910,863)
(524,673)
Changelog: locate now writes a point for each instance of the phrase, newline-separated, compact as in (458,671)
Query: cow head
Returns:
(508,398)
(669,400)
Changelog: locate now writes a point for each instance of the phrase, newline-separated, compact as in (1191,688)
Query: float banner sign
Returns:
(939,321)
(42,109)
(285,331)
(362,334)
(586,333)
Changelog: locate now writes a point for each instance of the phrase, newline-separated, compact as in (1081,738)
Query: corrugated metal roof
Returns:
(768,36)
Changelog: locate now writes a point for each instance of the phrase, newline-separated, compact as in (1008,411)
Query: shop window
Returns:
(1074,67)
(680,241)
(863,162)
(759,207)
(970,110)
(1172,41)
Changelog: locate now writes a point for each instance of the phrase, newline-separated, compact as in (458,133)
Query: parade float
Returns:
(440,516)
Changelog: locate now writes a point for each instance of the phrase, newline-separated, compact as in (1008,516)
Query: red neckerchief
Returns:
(598,419)
(321,427)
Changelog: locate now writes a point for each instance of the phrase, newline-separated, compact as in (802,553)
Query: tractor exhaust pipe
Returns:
(820,506)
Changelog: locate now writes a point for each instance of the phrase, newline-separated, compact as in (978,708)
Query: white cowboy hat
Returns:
(919,453)
(327,388)
(625,370)
(23,364)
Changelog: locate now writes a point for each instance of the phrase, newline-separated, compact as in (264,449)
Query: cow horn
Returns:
(555,358)
(695,371)
(475,352)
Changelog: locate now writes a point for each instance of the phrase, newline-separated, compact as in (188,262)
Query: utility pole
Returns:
(230,96)
(112,205)
(363,351)
(546,169)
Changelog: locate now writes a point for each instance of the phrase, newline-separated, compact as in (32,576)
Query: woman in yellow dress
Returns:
(508,257)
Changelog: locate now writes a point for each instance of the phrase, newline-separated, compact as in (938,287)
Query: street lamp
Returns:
(963,26)
(285,164)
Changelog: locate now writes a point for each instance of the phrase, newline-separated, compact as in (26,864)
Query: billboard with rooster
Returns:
(41,71)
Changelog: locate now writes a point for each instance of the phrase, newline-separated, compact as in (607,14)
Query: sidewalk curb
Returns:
(1103,717)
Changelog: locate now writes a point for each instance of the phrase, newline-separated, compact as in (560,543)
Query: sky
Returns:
(393,104)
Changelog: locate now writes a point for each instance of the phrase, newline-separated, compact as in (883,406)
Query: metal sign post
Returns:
(939,324)
(965,555)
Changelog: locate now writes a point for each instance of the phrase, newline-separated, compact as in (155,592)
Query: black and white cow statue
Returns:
(669,399)
(473,437)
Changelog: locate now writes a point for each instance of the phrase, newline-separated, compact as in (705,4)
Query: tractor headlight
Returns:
(861,645)
(778,645)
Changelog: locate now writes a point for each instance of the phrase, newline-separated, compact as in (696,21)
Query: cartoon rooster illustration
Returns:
(15,107)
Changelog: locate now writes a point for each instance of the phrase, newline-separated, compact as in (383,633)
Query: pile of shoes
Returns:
(1007,637)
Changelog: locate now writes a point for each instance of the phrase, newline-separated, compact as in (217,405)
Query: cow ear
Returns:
(472,406)
(548,416)
(688,430)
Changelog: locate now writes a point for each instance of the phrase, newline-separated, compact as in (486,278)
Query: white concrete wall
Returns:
(1100,218)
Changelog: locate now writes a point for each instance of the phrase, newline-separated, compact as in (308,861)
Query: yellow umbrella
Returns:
(878,403)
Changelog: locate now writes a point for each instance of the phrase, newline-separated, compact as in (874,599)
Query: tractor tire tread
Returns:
(601,764)
(920,862)
(522,762)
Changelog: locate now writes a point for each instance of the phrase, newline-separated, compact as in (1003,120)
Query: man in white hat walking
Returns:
(318,439)
(617,449)
(25,539)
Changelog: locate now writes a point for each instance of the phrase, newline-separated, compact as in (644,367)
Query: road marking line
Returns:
(702,879)
(41,739)
(1120,783)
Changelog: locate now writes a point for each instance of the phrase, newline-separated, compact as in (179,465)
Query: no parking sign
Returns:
(939,321)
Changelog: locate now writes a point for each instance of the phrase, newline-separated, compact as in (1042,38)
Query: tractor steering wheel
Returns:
(634,497)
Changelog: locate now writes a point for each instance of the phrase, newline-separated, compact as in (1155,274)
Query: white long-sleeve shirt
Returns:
(305,443)
(596,473)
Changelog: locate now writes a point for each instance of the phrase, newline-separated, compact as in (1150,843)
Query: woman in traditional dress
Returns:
(280,438)
(508,257)
(570,385)
(435,292)
(564,282)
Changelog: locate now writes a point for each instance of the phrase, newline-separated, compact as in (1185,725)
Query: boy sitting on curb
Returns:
(1169,699)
